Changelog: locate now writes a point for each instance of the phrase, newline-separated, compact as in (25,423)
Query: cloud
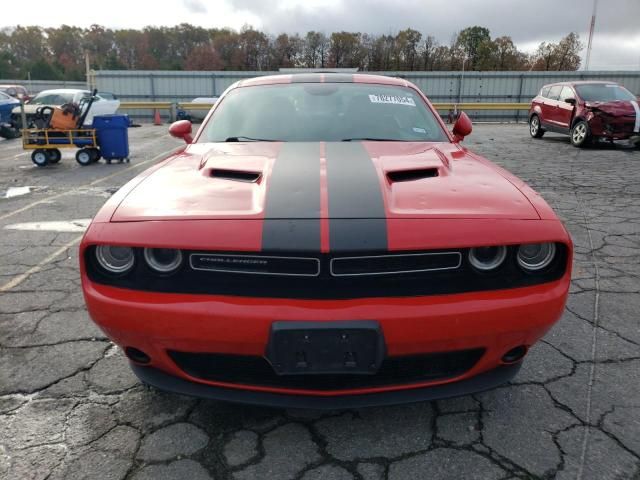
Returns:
(194,6)
(617,36)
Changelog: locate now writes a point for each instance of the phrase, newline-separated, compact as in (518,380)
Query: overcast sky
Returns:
(616,43)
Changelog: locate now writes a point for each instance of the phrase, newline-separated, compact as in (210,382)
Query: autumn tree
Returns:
(407,42)
(66,46)
(314,50)
(286,51)
(428,53)
(254,47)
(100,43)
(345,49)
(564,55)
(53,53)
(506,55)
(473,43)
(568,52)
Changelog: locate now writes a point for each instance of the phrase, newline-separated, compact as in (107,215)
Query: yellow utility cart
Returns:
(46,144)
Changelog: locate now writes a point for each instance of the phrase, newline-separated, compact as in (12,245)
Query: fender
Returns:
(535,110)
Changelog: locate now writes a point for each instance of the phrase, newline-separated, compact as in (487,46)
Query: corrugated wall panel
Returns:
(447,87)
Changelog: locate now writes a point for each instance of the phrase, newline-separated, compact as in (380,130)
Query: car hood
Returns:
(269,180)
(618,108)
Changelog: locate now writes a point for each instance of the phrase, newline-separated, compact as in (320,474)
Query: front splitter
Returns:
(478,383)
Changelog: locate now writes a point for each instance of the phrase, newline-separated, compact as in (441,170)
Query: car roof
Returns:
(323,77)
(582,82)
(64,90)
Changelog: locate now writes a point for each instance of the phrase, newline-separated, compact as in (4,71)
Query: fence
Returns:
(440,87)
(36,86)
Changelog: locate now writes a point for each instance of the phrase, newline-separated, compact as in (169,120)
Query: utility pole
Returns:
(591,28)
(87,67)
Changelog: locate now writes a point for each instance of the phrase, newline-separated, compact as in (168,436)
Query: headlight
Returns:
(163,260)
(115,259)
(536,256)
(487,258)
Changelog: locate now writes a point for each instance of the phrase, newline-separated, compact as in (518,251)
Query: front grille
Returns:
(394,264)
(327,276)
(256,264)
(620,125)
(253,370)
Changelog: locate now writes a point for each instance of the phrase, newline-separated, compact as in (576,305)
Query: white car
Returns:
(198,115)
(104,104)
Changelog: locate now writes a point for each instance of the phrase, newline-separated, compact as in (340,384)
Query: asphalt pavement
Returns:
(70,408)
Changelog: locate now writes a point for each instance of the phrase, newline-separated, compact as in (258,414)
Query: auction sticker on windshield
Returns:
(396,99)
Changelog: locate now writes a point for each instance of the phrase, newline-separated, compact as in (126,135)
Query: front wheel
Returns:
(580,134)
(535,129)
(40,157)
(84,157)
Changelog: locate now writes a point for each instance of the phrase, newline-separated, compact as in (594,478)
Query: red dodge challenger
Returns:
(324,242)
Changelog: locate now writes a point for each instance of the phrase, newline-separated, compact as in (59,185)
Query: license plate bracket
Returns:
(336,347)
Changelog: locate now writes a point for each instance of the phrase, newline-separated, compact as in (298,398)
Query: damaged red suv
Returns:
(586,111)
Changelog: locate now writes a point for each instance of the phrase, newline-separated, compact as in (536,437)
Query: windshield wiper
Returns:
(249,139)
(371,139)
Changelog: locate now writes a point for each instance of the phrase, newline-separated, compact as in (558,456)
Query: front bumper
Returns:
(158,323)
(484,381)
(612,128)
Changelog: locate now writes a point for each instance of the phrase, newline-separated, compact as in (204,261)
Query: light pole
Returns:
(464,60)
(591,29)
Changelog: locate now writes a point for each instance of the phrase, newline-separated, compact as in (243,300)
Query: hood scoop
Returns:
(412,174)
(235,175)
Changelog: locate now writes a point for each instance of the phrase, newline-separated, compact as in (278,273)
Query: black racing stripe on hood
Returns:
(357,216)
(292,204)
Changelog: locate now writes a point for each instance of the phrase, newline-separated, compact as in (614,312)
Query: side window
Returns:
(545,91)
(554,92)
(44,100)
(566,93)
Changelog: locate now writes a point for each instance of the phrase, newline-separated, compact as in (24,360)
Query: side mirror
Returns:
(462,127)
(181,129)
(570,101)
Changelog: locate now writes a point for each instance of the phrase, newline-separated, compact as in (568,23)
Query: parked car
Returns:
(15,91)
(323,241)
(586,111)
(196,114)
(7,104)
(103,105)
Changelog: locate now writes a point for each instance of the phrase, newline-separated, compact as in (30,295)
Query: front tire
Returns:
(84,157)
(535,129)
(40,157)
(580,134)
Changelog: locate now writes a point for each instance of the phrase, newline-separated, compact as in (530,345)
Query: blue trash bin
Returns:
(112,136)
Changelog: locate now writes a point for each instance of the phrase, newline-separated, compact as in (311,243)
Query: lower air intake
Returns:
(253,370)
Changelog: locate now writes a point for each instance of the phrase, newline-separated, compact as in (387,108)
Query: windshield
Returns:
(316,112)
(601,92)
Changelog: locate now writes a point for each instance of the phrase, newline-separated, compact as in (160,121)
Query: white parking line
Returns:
(59,226)
(17,280)
(90,184)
